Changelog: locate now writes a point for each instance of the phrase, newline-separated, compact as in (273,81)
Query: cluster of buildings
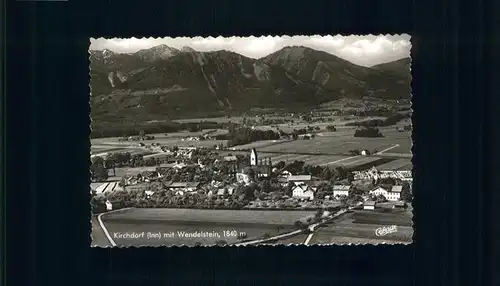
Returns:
(375,174)
(304,187)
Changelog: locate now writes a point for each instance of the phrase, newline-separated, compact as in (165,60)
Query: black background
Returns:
(48,231)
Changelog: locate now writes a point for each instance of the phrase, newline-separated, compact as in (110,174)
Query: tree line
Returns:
(245,135)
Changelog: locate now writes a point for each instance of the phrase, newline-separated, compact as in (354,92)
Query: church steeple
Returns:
(253,157)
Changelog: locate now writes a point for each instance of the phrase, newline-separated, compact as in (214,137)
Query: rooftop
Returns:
(182,184)
(341,187)
(299,178)
(369,203)
(396,189)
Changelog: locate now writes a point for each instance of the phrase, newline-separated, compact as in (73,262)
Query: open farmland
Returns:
(105,187)
(215,216)
(254,223)
(171,232)
(298,239)
(170,139)
(312,159)
(235,119)
(336,143)
(129,171)
(400,164)
(104,149)
(360,226)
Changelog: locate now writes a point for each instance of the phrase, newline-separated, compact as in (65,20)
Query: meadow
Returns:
(254,223)
(360,226)
(252,232)
(213,216)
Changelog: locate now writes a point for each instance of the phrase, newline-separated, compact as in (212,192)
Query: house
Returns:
(377,191)
(303,192)
(399,205)
(395,193)
(341,190)
(137,187)
(109,206)
(299,179)
(243,178)
(365,152)
(216,184)
(231,189)
(179,165)
(230,158)
(186,186)
(283,181)
(369,205)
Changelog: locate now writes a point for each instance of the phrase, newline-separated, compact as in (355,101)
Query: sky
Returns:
(361,50)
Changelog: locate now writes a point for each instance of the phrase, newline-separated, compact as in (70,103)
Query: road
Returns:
(311,228)
(99,238)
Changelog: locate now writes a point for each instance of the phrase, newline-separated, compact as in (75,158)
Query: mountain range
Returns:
(164,82)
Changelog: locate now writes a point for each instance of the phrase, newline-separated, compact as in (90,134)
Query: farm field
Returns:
(394,217)
(298,239)
(323,160)
(165,142)
(399,164)
(213,216)
(105,187)
(159,138)
(360,226)
(132,151)
(125,171)
(104,149)
(252,232)
(212,119)
(408,167)
(254,223)
(335,144)
(258,144)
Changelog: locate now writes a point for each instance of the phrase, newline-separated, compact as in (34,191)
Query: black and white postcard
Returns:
(235,141)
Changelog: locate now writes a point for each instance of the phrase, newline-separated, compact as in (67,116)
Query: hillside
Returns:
(335,74)
(399,68)
(163,82)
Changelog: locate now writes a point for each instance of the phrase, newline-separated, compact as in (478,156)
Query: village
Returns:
(206,178)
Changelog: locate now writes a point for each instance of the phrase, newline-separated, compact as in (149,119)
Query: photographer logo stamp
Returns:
(383,231)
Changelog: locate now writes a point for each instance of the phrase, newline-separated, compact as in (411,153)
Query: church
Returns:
(262,168)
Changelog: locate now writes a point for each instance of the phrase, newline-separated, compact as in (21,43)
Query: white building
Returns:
(303,192)
(369,205)
(379,191)
(395,193)
(299,179)
(109,205)
(183,186)
(243,178)
(341,190)
(231,158)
